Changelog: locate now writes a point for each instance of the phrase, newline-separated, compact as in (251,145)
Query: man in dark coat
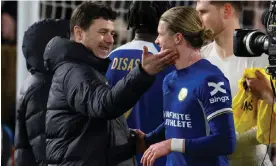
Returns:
(82,110)
(30,140)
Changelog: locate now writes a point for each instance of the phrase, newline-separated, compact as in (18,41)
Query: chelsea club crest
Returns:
(182,94)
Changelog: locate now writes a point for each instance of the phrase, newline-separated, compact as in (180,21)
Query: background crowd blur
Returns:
(250,18)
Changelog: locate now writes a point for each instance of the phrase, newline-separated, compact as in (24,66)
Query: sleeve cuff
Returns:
(178,145)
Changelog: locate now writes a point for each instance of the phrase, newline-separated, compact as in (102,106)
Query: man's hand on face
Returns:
(153,64)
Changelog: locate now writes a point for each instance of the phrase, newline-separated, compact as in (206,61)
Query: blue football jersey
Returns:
(198,108)
(147,114)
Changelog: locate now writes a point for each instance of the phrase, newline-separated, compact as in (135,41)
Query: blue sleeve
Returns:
(215,97)
(155,136)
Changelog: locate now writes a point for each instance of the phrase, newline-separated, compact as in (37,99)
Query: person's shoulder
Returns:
(209,71)
(136,45)
(76,74)
(213,81)
(207,67)
(252,62)
(122,47)
(206,50)
(260,62)
(33,81)
(34,84)
(75,71)
(80,69)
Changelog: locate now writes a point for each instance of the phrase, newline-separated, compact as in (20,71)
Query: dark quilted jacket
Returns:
(84,125)
(30,147)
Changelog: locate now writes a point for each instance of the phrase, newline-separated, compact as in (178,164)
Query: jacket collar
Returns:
(60,50)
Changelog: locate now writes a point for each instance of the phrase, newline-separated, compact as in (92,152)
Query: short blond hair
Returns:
(186,20)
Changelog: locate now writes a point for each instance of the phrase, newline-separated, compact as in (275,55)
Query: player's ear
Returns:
(78,33)
(228,10)
(177,38)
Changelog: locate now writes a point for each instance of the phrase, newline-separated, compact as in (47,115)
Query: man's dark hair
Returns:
(237,5)
(146,14)
(86,12)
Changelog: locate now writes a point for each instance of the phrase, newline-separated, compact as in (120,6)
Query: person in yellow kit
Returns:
(265,113)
